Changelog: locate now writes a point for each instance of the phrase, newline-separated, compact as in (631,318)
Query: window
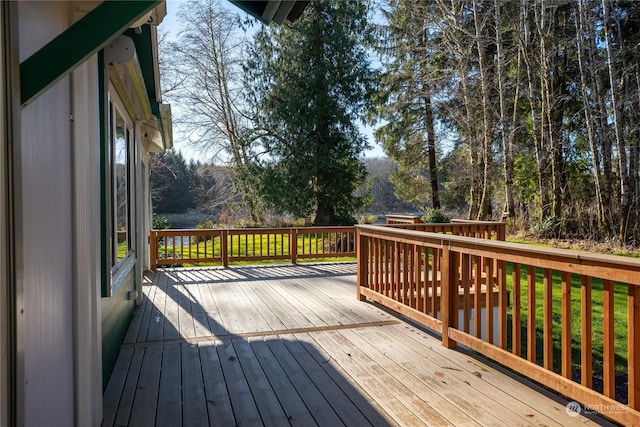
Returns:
(121,180)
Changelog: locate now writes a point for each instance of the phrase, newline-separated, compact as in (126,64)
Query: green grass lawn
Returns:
(620,320)
(255,245)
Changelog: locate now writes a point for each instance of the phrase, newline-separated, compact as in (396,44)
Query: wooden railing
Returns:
(568,320)
(459,227)
(176,247)
(403,219)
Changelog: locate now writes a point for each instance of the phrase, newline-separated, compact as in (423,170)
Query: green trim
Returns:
(76,44)
(105,285)
(268,11)
(144,51)
(253,8)
(116,313)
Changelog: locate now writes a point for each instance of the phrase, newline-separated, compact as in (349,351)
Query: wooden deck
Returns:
(287,345)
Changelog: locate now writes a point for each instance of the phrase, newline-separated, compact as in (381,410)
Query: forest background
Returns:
(526,111)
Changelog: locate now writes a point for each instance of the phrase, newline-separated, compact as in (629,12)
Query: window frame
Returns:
(7,285)
(119,267)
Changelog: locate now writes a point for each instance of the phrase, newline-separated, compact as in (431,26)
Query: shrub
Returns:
(206,225)
(435,216)
(160,222)
(245,223)
(367,219)
(300,222)
(224,218)
(548,228)
(272,219)
(345,220)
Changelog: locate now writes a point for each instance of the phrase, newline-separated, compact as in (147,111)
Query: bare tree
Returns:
(505,128)
(207,56)
(458,40)
(587,81)
(479,19)
(616,107)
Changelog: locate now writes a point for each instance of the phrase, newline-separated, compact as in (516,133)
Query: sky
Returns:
(171,24)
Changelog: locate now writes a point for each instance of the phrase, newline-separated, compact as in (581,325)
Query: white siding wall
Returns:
(44,235)
(86,222)
(44,258)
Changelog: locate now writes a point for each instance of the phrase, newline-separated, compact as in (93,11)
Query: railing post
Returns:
(448,293)
(153,250)
(293,245)
(362,251)
(502,231)
(224,253)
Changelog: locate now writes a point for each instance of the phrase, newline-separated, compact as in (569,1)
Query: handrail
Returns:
(403,219)
(220,245)
(193,246)
(440,280)
(457,227)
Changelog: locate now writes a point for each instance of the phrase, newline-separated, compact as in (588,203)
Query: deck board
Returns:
(156,296)
(123,412)
(143,410)
(194,407)
(113,392)
(218,399)
(292,345)
(185,311)
(169,394)
(318,406)
(214,319)
(268,404)
(292,403)
(243,404)
(171,322)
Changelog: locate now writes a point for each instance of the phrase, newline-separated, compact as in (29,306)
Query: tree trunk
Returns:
(586,80)
(484,211)
(472,140)
(505,135)
(617,124)
(431,153)
(537,132)
(325,214)
(604,144)
(428,121)
(634,161)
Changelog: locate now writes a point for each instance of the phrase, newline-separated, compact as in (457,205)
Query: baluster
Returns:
(586,336)
(566,324)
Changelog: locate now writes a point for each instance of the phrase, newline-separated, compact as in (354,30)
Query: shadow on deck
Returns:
(285,345)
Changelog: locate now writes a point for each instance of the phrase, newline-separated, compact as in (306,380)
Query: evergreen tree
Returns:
(404,100)
(311,81)
(170,182)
